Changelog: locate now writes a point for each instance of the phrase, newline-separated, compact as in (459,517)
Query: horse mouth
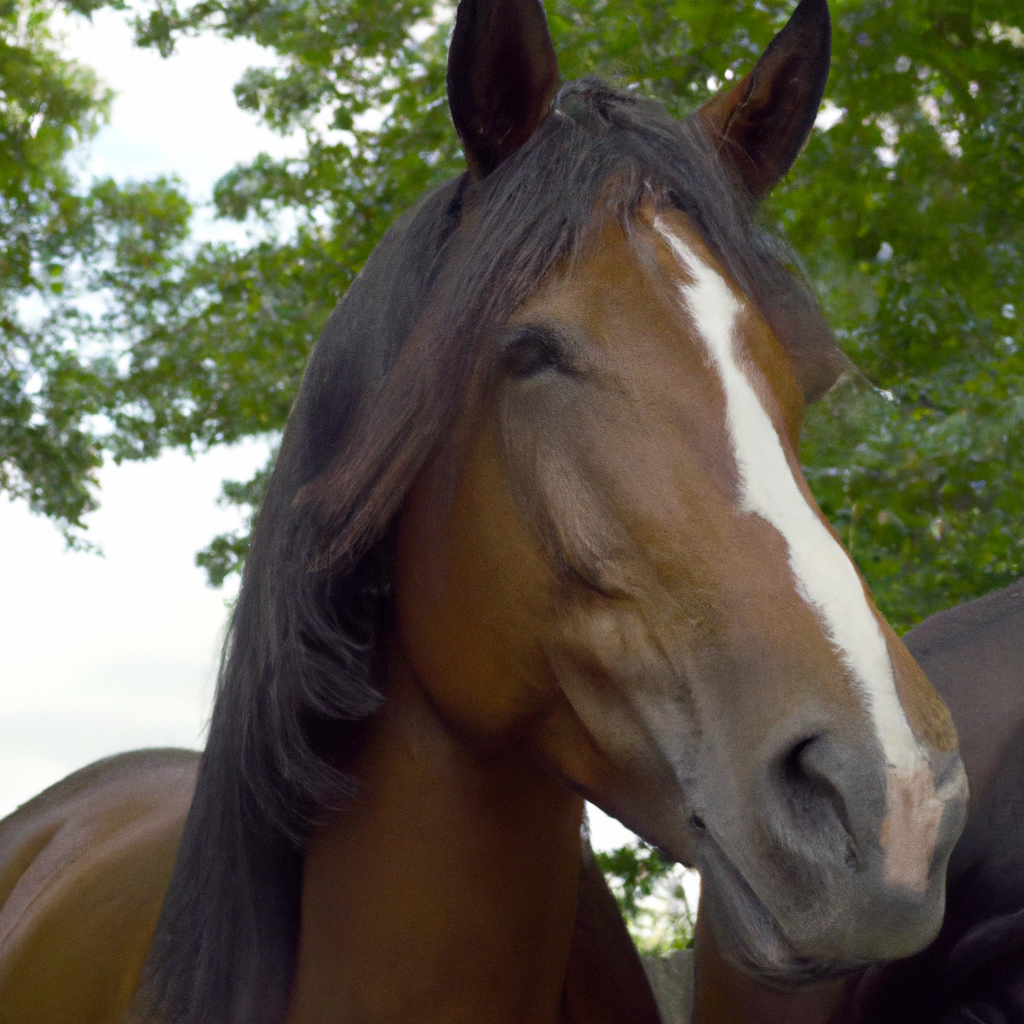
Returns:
(750,935)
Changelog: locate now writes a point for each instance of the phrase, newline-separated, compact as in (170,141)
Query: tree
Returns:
(651,895)
(917,240)
(908,212)
(58,364)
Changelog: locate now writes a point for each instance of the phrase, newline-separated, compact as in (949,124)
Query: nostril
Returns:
(948,770)
(697,821)
(850,854)
(811,781)
(793,760)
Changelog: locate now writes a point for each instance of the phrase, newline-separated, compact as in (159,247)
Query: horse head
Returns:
(615,559)
(543,469)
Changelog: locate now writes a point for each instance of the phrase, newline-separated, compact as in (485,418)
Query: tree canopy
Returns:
(61,242)
(907,208)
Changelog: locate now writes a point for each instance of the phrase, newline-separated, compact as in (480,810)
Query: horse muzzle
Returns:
(841,863)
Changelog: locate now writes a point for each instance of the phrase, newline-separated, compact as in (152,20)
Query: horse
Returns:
(537,533)
(973,972)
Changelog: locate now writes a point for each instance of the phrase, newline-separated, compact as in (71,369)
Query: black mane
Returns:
(389,374)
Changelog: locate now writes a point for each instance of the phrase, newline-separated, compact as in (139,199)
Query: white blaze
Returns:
(825,576)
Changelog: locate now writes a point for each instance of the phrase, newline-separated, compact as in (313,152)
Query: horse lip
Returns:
(786,966)
(782,966)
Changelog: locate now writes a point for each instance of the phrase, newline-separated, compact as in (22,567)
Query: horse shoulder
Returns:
(605,981)
(974,656)
(83,871)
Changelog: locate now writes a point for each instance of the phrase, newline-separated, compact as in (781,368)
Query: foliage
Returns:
(225,553)
(58,362)
(907,212)
(651,895)
(911,213)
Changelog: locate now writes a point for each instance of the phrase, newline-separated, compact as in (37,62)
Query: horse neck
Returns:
(446,890)
(724,995)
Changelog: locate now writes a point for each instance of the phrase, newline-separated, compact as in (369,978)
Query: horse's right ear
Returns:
(502,78)
(760,124)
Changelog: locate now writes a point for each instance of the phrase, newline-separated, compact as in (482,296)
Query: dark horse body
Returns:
(537,533)
(973,973)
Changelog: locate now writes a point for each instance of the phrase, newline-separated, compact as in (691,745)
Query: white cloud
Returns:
(101,655)
(175,115)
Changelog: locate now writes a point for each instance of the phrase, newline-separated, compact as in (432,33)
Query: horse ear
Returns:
(760,125)
(502,78)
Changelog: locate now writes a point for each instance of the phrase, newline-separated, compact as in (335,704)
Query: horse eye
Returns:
(530,352)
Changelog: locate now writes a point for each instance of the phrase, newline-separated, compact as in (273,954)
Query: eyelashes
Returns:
(532,349)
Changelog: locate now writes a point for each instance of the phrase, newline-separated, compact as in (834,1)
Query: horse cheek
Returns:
(466,588)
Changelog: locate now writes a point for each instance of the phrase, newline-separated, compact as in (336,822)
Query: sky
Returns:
(112,653)
(104,654)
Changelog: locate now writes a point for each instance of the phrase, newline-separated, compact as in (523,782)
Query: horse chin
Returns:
(750,936)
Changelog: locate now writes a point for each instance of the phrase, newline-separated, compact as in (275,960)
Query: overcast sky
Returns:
(100,655)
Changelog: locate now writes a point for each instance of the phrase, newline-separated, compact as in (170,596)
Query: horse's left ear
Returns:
(760,125)
(502,78)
